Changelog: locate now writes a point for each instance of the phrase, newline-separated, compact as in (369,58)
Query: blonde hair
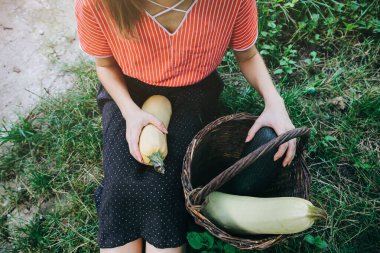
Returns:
(125,14)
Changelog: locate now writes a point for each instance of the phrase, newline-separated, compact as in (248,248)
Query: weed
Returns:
(323,57)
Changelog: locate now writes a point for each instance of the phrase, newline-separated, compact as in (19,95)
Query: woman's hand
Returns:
(276,117)
(136,119)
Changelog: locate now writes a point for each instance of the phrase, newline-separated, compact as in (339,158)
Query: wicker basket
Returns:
(217,148)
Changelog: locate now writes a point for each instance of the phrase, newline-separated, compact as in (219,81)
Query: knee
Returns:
(151,249)
(135,246)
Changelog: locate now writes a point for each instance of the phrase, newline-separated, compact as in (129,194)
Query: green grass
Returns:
(318,52)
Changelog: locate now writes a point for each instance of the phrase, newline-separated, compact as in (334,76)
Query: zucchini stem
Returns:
(316,213)
(158,162)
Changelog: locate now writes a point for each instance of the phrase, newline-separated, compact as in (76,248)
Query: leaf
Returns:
(265,46)
(319,243)
(301,25)
(315,17)
(194,239)
(310,90)
(330,138)
(289,71)
(309,238)
(284,61)
(277,71)
(200,240)
(308,61)
(363,165)
(271,24)
(219,245)
(228,248)
(208,239)
(264,52)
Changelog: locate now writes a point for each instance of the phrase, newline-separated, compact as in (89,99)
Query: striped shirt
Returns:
(161,58)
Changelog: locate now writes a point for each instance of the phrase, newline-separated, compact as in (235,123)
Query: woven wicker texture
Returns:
(213,157)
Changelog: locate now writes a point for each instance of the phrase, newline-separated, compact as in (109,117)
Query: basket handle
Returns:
(247,160)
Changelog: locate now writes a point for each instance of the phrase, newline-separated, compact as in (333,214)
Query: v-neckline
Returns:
(180,24)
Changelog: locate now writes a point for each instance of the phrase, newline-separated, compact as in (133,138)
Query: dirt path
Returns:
(38,37)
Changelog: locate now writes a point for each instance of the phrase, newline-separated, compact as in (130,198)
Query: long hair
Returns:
(125,14)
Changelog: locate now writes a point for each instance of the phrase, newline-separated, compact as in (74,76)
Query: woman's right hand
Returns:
(136,119)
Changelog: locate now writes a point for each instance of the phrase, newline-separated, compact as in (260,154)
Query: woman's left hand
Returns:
(276,117)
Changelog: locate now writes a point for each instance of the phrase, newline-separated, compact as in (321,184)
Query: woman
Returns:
(172,48)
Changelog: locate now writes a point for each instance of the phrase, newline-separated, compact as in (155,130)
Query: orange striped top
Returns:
(161,58)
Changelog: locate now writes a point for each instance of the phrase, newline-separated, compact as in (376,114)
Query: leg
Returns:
(192,108)
(117,198)
(131,247)
(167,219)
(151,249)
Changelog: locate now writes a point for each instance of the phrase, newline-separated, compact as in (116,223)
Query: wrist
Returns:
(129,108)
(274,100)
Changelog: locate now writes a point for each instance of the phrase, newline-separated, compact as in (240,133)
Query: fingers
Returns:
(281,151)
(251,133)
(133,144)
(290,153)
(134,130)
(158,123)
(290,149)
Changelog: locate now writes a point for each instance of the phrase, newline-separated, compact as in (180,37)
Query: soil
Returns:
(39,37)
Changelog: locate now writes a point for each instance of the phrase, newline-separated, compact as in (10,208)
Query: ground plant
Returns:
(324,60)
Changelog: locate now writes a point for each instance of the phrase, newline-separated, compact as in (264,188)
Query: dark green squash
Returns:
(252,181)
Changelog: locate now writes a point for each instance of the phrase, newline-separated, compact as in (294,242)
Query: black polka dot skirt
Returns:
(133,200)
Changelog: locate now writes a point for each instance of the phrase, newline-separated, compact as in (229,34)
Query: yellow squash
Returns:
(252,215)
(153,143)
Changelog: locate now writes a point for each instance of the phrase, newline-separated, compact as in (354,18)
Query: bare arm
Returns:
(254,70)
(111,77)
(275,114)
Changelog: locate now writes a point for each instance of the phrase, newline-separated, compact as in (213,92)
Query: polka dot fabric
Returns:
(133,200)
